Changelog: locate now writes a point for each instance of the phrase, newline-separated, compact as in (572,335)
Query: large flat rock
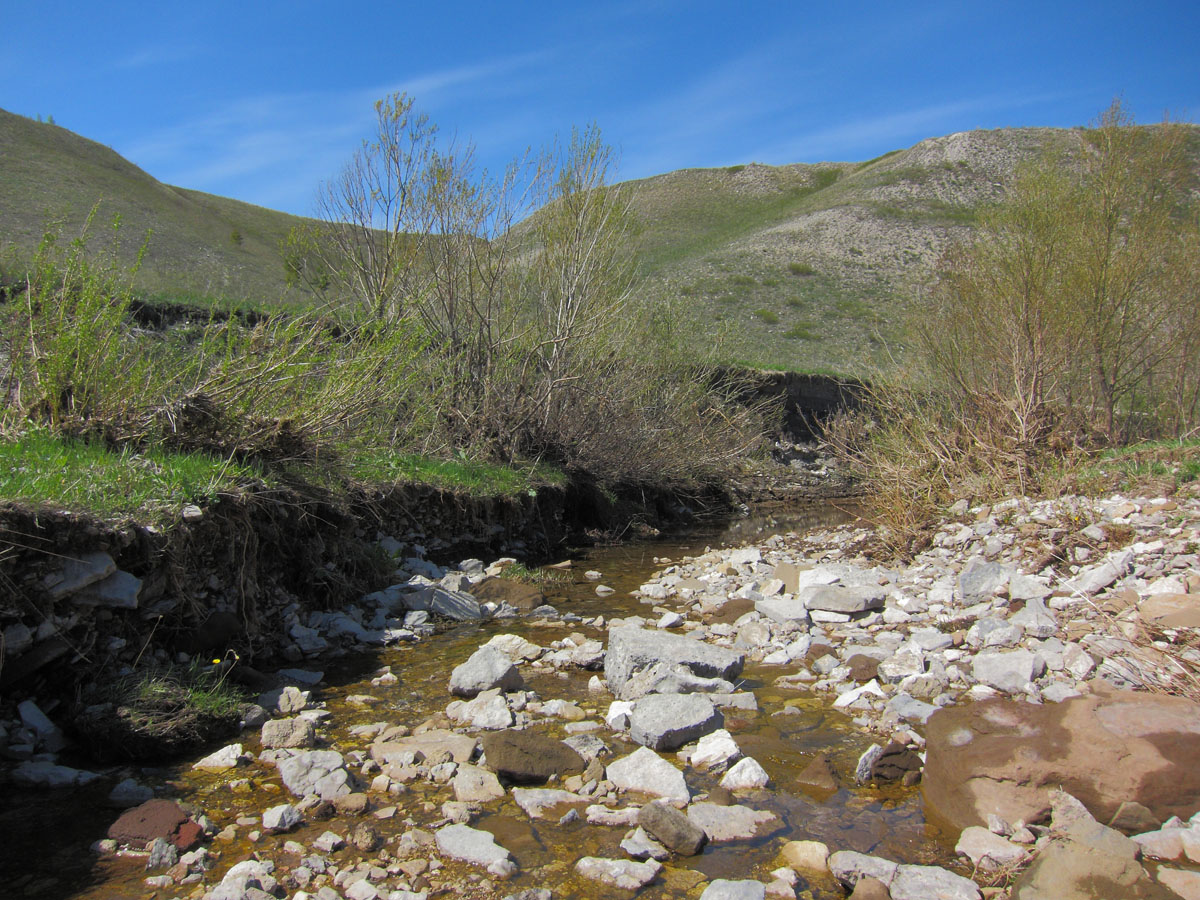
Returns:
(1004,757)
(527,757)
(430,744)
(668,721)
(632,649)
(733,823)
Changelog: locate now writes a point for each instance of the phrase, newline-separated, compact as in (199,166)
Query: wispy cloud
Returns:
(263,148)
(157,55)
(722,103)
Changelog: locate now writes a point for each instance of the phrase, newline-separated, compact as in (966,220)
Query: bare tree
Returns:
(369,213)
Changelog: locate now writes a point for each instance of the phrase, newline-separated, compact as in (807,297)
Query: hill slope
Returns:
(808,267)
(52,178)
(812,266)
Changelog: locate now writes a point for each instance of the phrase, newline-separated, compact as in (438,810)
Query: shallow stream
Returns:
(44,851)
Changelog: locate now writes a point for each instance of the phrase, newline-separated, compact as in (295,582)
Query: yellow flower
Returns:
(216,662)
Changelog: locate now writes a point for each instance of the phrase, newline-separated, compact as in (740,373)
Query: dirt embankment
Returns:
(229,577)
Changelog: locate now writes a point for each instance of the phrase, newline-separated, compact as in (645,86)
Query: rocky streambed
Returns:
(1006,716)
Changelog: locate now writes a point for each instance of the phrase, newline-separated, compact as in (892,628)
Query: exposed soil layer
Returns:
(222,583)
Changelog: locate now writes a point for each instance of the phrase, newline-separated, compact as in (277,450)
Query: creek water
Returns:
(44,848)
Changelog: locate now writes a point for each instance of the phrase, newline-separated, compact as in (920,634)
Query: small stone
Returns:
(281,818)
(288,733)
(724,889)
(672,828)
(487,668)
(647,772)
(639,845)
(809,855)
(329,842)
(226,758)
(745,775)
(618,873)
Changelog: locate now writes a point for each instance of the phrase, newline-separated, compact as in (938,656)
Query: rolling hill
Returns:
(202,246)
(807,267)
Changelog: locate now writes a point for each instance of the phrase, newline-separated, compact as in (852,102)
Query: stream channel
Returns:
(44,851)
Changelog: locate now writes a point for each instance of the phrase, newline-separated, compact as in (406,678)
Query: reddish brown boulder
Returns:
(862,667)
(155,819)
(1001,756)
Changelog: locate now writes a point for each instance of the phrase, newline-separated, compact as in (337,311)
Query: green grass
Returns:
(40,467)
(156,712)
(801,269)
(767,315)
(801,331)
(51,175)
(464,475)
(1170,460)
(543,578)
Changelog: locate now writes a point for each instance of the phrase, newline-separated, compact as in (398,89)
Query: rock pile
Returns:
(1050,616)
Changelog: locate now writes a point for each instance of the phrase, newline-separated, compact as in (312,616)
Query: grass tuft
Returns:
(39,466)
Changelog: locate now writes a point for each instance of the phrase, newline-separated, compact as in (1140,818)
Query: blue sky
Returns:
(262,100)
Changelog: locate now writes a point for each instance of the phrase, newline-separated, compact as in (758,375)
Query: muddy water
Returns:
(46,838)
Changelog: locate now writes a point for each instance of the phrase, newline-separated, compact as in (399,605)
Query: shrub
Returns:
(801,332)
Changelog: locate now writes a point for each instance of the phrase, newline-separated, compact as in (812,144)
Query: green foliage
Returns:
(801,268)
(801,331)
(1075,307)
(159,711)
(1068,322)
(70,362)
(39,466)
(768,316)
(461,474)
(542,577)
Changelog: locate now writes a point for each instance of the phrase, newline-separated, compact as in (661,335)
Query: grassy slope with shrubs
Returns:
(815,267)
(369,395)
(1054,345)
(806,267)
(203,247)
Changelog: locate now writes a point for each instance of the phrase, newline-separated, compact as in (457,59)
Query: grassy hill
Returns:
(201,246)
(812,266)
(807,267)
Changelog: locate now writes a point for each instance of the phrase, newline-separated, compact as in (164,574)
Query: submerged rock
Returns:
(476,847)
(1004,757)
(619,873)
(733,823)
